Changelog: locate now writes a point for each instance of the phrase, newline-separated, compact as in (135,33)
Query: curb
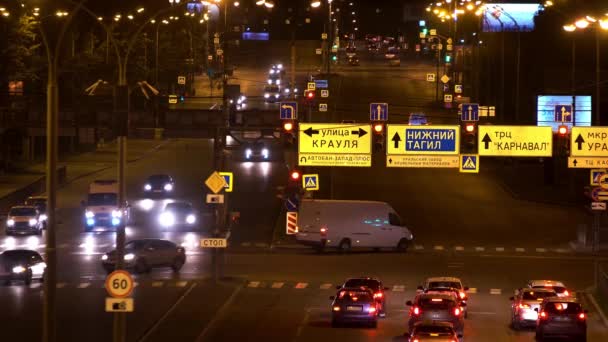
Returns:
(597,307)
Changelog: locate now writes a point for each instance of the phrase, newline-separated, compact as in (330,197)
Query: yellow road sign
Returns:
(172,99)
(229,179)
(595,175)
(215,182)
(214,243)
(451,162)
(119,305)
(119,284)
(587,162)
(422,140)
(331,138)
(320,159)
(310,182)
(589,142)
(311,86)
(515,141)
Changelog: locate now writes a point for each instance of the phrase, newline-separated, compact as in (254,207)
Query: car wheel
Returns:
(403,245)
(177,264)
(141,266)
(344,246)
(373,324)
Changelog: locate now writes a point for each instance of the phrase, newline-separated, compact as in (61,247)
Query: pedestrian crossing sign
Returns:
(595,176)
(310,182)
(469,163)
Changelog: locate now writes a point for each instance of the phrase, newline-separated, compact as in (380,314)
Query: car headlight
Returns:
(90,222)
(280,66)
(239,101)
(89,214)
(148,187)
(43,217)
(265,153)
(19,269)
(116,213)
(104,257)
(248,153)
(167,219)
(190,219)
(231,101)
(168,187)
(266,95)
(269,81)
(278,81)
(276,96)
(287,90)
(33,222)
(10,222)
(296,90)
(129,256)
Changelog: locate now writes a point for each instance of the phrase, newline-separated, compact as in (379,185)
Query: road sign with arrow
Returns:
(423,140)
(288,110)
(330,144)
(515,141)
(587,162)
(589,142)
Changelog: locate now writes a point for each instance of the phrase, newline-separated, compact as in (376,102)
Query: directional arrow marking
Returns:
(486,140)
(310,132)
(575,162)
(396,139)
(360,132)
(579,140)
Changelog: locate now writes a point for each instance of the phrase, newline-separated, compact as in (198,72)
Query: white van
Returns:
(351,224)
(101,209)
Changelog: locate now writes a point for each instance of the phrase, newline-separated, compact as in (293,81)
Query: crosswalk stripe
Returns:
(246,244)
(325,286)
(157,284)
(438,248)
(253,284)
(277,285)
(561,250)
(541,250)
(418,247)
(398,288)
(301,285)
(459,248)
(500,249)
(262,245)
(181,284)
(83,285)
(495,291)
(520,250)
(61,285)
(480,249)
(472,290)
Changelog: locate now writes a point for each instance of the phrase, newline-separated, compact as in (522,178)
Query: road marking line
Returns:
(253,284)
(418,247)
(480,249)
(157,284)
(167,313)
(325,286)
(181,284)
(83,285)
(301,285)
(246,244)
(561,250)
(398,288)
(520,250)
(495,291)
(459,248)
(472,290)
(261,245)
(35,285)
(482,312)
(302,325)
(541,250)
(61,285)
(500,249)
(277,285)
(438,248)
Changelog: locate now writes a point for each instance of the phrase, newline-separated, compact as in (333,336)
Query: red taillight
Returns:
(378,128)
(371,310)
(457,312)
(323,231)
(566,293)
(582,316)
(378,295)
(416,340)
(288,126)
(462,295)
(416,311)
(295,175)
(470,128)
(543,315)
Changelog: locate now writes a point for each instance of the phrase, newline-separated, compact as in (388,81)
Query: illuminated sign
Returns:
(417,161)
(423,140)
(515,141)
(589,142)
(545,110)
(330,144)
(499,17)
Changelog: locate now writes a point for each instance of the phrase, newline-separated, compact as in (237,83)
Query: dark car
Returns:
(353,61)
(436,307)
(433,331)
(373,284)
(23,219)
(256,151)
(354,305)
(144,254)
(159,185)
(21,265)
(40,203)
(561,317)
(178,214)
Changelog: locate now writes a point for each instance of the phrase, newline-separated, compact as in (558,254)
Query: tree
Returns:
(24,61)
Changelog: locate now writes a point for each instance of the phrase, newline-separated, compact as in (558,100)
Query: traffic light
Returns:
(334,58)
(294,175)
(562,130)
(288,133)
(448,58)
(378,128)
(309,97)
(469,137)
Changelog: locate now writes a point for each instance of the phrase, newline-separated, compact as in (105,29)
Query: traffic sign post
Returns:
(330,144)
(589,142)
(458,88)
(322,107)
(423,140)
(469,163)
(214,243)
(470,112)
(515,141)
(181,80)
(288,110)
(445,78)
(216,182)
(310,182)
(119,305)
(324,93)
(378,111)
(595,176)
(447,98)
(587,162)
(430,77)
(321,84)
(311,86)
(119,284)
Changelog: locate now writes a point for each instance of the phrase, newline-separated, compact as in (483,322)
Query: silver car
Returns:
(433,332)
(21,265)
(24,219)
(525,304)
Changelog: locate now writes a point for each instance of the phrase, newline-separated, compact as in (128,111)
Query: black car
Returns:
(561,317)
(178,214)
(436,307)
(256,151)
(159,185)
(379,291)
(21,265)
(354,305)
(353,61)
(144,254)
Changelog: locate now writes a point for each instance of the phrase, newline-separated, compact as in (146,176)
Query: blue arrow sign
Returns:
(563,113)
(470,112)
(292,203)
(289,110)
(321,84)
(378,111)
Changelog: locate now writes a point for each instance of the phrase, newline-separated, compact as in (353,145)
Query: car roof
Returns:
(37,198)
(546,283)
(23,207)
(363,278)
(542,289)
(451,279)
(361,288)
(561,300)
(20,251)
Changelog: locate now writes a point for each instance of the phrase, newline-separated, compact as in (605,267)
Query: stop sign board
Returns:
(119,284)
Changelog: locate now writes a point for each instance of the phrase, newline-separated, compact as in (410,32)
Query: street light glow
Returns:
(237,4)
(141,9)
(99,18)
(130,16)
(315,4)
(260,2)
(582,23)
(269,4)
(604,24)
(569,28)
(590,19)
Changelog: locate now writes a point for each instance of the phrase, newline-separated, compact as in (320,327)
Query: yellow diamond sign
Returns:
(216,182)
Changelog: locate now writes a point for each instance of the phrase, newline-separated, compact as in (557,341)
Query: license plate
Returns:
(158,191)
(354,308)
(435,316)
(562,319)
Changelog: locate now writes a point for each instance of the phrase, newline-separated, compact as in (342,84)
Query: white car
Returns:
(24,219)
(558,286)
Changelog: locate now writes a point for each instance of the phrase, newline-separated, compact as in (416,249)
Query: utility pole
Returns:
(597,77)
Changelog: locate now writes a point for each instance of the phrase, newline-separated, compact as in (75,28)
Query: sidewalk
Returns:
(31,179)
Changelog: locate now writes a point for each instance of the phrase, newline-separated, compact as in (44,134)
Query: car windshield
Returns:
(354,296)
(159,179)
(102,199)
(534,295)
(562,308)
(557,289)
(178,206)
(36,202)
(435,303)
(22,212)
(372,284)
(20,256)
(133,245)
(444,284)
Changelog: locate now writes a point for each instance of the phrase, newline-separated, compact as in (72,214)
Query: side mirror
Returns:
(536,309)
(332,297)
(338,287)
(466,288)
(511,298)
(408,303)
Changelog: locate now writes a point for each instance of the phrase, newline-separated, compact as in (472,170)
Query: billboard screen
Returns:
(545,110)
(256,35)
(509,17)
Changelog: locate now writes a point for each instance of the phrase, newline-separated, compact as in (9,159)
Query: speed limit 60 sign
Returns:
(119,284)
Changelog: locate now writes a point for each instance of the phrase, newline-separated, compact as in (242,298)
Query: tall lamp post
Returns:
(599,25)
(329,42)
